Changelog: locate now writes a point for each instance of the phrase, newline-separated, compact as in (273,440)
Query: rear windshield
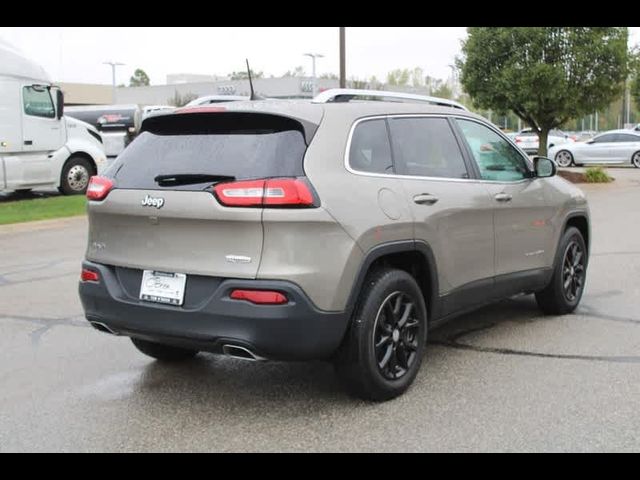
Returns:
(232,150)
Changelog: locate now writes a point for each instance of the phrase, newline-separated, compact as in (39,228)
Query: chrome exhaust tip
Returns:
(242,353)
(103,328)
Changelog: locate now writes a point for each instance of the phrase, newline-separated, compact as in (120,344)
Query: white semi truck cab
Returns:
(39,147)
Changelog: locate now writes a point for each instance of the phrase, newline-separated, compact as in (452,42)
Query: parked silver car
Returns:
(330,229)
(613,147)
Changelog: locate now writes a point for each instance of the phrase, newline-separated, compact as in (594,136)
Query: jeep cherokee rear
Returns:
(293,230)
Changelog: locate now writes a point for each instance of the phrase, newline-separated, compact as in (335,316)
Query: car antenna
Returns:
(253,93)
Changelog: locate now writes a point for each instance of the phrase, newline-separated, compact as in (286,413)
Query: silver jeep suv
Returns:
(341,229)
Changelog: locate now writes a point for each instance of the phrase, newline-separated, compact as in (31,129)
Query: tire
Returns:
(635,160)
(163,353)
(75,176)
(384,372)
(564,158)
(565,290)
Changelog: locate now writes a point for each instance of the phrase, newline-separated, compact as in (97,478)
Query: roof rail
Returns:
(347,94)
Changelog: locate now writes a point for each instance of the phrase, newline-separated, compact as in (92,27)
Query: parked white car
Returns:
(208,99)
(155,109)
(39,147)
(613,147)
(528,140)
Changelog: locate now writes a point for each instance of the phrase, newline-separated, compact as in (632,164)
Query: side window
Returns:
(496,158)
(370,150)
(426,147)
(37,102)
(609,138)
(623,137)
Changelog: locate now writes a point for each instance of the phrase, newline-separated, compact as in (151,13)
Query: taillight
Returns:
(272,192)
(99,188)
(518,139)
(89,275)
(260,297)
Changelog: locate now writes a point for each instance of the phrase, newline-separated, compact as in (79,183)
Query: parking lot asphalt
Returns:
(504,378)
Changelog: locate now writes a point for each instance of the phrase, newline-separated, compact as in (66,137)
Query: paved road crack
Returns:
(46,324)
(453,341)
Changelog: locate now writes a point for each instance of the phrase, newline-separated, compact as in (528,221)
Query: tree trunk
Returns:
(543,137)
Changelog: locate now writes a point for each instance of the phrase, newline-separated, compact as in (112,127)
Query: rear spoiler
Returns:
(201,121)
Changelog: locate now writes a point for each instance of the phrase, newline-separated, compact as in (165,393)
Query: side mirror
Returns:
(59,103)
(590,142)
(544,167)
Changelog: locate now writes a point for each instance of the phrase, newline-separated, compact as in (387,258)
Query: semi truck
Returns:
(40,148)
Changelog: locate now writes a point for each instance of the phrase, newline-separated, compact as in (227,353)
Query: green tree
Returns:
(399,77)
(181,100)
(296,72)
(443,91)
(417,77)
(545,75)
(635,82)
(139,79)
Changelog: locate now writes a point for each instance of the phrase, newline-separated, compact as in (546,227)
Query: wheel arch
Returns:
(84,155)
(581,222)
(414,257)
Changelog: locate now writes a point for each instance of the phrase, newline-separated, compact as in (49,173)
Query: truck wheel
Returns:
(383,349)
(75,176)
(165,353)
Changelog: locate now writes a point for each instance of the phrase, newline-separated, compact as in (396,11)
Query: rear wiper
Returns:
(189,179)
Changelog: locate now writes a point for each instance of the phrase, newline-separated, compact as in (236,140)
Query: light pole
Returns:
(313,67)
(343,73)
(113,78)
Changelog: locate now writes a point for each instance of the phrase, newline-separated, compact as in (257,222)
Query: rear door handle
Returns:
(425,199)
(503,197)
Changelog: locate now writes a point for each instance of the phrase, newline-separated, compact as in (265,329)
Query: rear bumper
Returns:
(210,319)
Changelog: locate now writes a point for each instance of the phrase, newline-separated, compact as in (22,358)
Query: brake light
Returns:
(89,275)
(99,188)
(260,297)
(272,192)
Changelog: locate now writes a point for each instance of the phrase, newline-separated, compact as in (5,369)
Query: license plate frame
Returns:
(166,288)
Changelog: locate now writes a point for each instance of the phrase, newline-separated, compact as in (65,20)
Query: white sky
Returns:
(75,54)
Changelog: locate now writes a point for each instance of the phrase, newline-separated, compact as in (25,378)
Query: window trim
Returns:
(24,107)
(464,150)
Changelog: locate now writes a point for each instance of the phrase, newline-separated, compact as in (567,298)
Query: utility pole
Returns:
(113,77)
(343,74)
(313,68)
